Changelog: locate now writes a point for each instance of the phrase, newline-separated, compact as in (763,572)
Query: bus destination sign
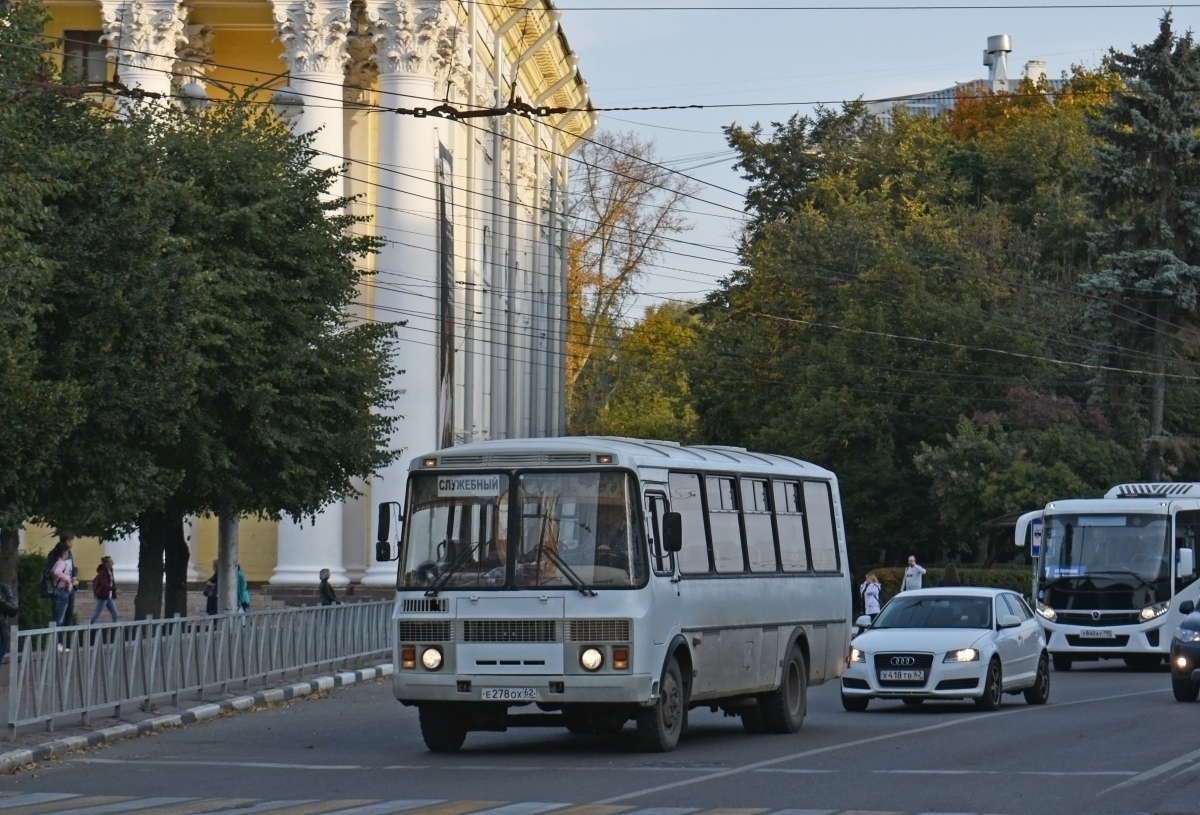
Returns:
(468,486)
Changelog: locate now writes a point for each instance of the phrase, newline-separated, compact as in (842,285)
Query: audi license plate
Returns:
(1096,633)
(902,676)
(509,694)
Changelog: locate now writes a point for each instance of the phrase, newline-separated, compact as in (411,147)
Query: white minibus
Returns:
(584,582)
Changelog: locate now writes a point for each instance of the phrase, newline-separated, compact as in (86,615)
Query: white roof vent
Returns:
(1162,490)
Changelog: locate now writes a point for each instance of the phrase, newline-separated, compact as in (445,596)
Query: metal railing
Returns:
(56,673)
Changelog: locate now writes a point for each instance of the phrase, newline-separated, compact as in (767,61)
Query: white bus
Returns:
(1113,571)
(583,582)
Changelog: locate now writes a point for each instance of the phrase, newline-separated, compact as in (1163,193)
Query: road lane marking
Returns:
(666,811)
(455,807)
(388,807)
(593,809)
(194,807)
(1154,772)
(316,807)
(251,765)
(870,812)
(50,806)
(733,811)
(121,806)
(36,798)
(869,740)
(271,806)
(804,812)
(794,772)
(524,808)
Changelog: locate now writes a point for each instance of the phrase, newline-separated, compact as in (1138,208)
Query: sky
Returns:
(641,57)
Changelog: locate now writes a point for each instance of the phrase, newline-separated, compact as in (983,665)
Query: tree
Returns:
(1146,189)
(622,207)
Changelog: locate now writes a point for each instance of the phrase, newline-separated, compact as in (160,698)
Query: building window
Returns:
(84,57)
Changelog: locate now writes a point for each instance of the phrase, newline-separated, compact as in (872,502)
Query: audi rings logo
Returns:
(904,660)
(1095,615)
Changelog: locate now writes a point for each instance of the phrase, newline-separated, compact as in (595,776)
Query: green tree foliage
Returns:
(649,396)
(1146,187)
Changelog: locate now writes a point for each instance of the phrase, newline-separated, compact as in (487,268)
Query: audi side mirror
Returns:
(1010,621)
(672,531)
(1187,607)
(864,621)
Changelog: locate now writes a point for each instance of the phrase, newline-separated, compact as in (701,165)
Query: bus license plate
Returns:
(1096,634)
(509,694)
(902,676)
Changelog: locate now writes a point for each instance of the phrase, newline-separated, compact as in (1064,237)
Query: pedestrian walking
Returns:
(60,573)
(66,541)
(328,595)
(210,593)
(912,575)
(243,590)
(950,576)
(871,594)
(104,589)
(8,609)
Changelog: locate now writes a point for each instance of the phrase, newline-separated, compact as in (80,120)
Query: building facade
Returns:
(471,212)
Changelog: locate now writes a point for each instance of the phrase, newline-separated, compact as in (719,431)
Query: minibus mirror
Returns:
(1187,607)
(672,532)
(1010,621)
(1187,562)
(383,551)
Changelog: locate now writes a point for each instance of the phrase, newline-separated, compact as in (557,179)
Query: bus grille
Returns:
(425,605)
(598,631)
(426,631)
(510,631)
(1084,618)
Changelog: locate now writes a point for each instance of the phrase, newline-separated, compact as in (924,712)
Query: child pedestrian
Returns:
(328,595)
(104,589)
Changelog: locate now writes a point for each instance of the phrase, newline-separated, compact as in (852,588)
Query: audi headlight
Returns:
(1156,610)
(1047,612)
(1187,635)
(431,658)
(962,655)
(591,659)
(857,656)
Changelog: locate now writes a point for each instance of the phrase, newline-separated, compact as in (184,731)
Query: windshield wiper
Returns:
(1134,575)
(458,563)
(574,579)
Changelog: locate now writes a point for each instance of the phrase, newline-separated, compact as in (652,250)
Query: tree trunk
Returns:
(227,560)
(177,555)
(1158,396)
(10,539)
(153,532)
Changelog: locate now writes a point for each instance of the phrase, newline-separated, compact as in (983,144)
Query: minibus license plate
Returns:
(902,676)
(509,694)
(1096,634)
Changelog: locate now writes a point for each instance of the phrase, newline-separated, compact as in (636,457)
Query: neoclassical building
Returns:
(471,211)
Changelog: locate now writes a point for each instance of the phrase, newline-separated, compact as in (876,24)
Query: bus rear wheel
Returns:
(783,709)
(659,726)
(443,726)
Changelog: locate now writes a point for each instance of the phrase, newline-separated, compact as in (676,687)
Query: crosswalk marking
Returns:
(120,806)
(455,807)
(804,812)
(733,811)
(594,809)
(35,798)
(666,811)
(387,807)
(316,807)
(199,806)
(51,806)
(267,806)
(528,808)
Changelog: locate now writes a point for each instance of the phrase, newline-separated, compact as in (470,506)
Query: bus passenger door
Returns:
(664,584)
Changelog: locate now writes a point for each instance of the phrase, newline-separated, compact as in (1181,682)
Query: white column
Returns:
(413,40)
(142,37)
(313,33)
(124,552)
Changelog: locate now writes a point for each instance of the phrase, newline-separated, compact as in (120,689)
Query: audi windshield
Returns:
(569,529)
(939,611)
(1108,561)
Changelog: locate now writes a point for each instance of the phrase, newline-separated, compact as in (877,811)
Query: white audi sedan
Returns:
(952,643)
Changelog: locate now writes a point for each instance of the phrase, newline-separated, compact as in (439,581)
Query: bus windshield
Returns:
(574,529)
(1109,561)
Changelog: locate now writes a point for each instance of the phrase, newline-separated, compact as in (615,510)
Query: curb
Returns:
(16,759)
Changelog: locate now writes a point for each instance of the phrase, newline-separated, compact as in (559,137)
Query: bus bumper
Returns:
(1124,640)
(415,686)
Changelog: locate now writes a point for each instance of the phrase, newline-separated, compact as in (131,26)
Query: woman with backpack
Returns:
(104,589)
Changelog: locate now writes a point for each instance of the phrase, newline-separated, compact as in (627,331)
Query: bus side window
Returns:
(686,500)
(724,524)
(656,507)
(1187,529)
(820,526)
(789,520)
(760,539)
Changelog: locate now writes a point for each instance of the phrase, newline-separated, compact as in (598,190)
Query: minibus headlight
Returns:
(1156,610)
(591,659)
(1047,612)
(431,658)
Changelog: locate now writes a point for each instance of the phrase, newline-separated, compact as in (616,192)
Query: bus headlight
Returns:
(1047,612)
(591,659)
(1156,610)
(431,658)
(1187,635)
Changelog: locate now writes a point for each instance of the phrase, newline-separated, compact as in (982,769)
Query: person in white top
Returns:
(912,575)
(870,595)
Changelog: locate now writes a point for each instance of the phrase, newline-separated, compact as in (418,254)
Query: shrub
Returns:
(35,609)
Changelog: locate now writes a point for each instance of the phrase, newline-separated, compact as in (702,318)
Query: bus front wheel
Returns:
(659,726)
(443,726)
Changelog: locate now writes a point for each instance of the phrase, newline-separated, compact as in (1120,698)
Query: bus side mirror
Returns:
(383,537)
(1187,607)
(672,532)
(1187,562)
